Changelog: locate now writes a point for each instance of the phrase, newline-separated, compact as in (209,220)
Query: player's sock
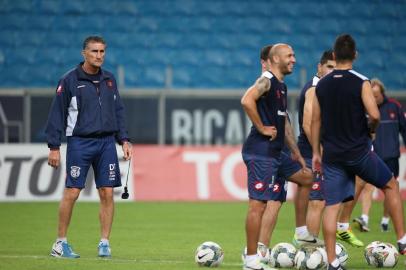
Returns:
(343,226)
(365,218)
(335,263)
(385,220)
(402,240)
(251,258)
(61,239)
(301,231)
(104,241)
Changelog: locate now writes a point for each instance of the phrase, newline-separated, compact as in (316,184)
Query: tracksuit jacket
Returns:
(85,109)
(393,122)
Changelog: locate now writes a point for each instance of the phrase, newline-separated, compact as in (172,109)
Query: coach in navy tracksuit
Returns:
(87,108)
(393,122)
(386,145)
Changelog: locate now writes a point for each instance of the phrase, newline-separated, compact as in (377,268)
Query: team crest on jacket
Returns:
(392,115)
(112,171)
(59,89)
(74,171)
(110,84)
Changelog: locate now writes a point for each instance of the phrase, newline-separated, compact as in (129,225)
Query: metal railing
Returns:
(9,123)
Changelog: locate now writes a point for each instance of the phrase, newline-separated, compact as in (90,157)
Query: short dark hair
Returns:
(327,55)
(89,39)
(265,52)
(345,48)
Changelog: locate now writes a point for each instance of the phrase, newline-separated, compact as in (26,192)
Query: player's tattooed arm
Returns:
(249,103)
(262,85)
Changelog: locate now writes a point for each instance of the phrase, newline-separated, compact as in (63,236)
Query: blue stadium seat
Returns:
(8,39)
(223,37)
(11,75)
(213,8)
(119,41)
(20,55)
(191,57)
(146,24)
(94,24)
(394,80)
(198,41)
(398,43)
(77,7)
(132,75)
(64,39)
(32,38)
(153,76)
(50,7)
(14,21)
(216,57)
(10,6)
(247,58)
(125,7)
(38,22)
(393,10)
(184,8)
(184,76)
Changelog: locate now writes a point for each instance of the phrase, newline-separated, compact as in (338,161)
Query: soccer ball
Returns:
(209,254)
(309,258)
(369,257)
(262,251)
(381,254)
(341,253)
(282,255)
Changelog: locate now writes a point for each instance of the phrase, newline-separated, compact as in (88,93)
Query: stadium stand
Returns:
(208,44)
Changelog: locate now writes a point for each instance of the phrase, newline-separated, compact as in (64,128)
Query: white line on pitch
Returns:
(101,259)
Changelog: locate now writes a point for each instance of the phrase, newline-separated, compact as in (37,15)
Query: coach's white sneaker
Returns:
(104,250)
(62,249)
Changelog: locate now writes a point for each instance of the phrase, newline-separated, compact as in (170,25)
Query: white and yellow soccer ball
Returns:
(341,253)
(209,254)
(309,258)
(369,257)
(381,255)
(282,255)
(262,251)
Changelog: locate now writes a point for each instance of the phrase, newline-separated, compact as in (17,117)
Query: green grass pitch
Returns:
(147,235)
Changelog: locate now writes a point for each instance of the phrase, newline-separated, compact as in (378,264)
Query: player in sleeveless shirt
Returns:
(265,105)
(289,170)
(316,200)
(343,97)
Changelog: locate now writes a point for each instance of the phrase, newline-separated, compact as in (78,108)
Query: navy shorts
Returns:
(316,193)
(288,166)
(262,175)
(100,153)
(278,190)
(339,177)
(393,165)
